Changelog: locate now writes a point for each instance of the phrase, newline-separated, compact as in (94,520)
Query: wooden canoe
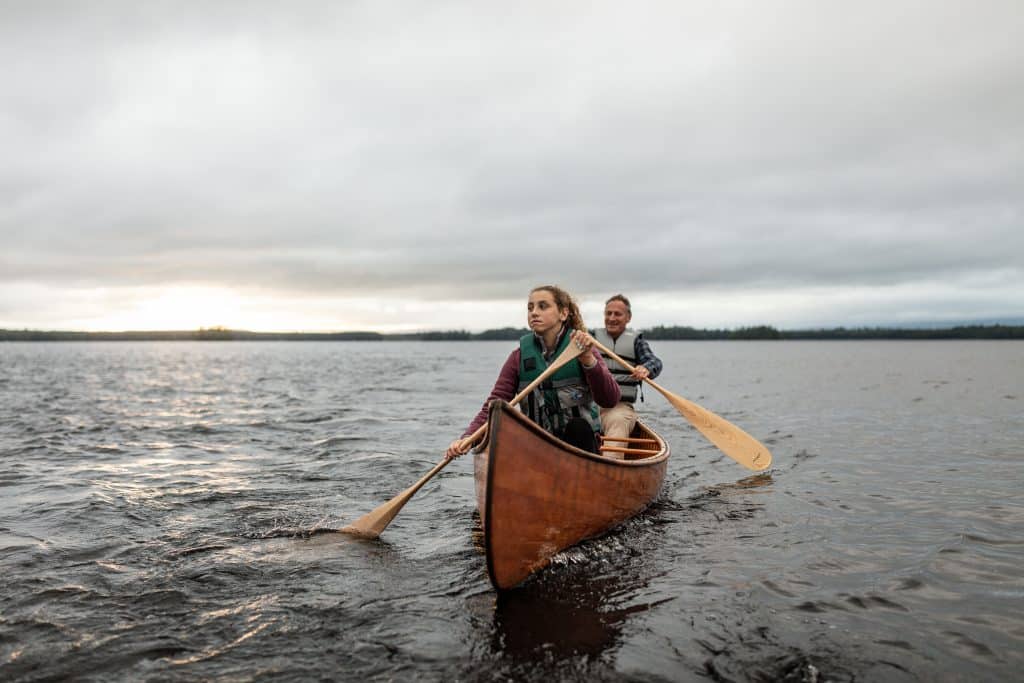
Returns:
(537,495)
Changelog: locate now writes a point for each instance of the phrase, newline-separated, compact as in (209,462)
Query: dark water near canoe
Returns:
(162,507)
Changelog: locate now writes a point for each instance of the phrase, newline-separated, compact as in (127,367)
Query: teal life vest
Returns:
(562,396)
(625,348)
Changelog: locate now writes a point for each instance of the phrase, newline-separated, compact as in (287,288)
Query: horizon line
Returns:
(219,329)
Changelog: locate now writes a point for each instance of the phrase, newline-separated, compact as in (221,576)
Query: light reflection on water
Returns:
(166,511)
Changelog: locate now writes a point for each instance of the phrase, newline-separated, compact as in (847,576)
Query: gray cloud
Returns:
(446,151)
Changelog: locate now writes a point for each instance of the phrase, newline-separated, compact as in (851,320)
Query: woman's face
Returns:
(542,313)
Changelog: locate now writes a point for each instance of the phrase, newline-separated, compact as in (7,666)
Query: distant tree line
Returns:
(692,333)
(768,332)
(957,332)
(660,332)
(202,334)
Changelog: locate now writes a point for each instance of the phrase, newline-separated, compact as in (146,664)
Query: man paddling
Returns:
(618,421)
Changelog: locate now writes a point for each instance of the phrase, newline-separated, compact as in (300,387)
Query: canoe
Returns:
(538,495)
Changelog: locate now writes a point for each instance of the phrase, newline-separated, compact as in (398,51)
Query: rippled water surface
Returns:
(165,512)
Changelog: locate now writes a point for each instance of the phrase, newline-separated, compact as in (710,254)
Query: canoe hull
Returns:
(538,495)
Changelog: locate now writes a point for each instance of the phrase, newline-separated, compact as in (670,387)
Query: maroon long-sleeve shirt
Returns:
(602,385)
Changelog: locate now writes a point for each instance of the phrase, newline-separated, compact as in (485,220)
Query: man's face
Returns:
(616,317)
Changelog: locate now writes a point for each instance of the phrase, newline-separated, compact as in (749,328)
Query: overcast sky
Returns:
(422,165)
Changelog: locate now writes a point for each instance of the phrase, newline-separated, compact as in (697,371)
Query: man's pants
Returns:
(618,421)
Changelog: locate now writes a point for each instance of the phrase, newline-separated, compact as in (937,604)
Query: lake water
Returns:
(163,509)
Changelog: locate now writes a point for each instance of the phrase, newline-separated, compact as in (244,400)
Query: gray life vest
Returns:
(625,348)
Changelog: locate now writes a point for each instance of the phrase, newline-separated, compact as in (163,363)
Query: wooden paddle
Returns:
(730,439)
(374,522)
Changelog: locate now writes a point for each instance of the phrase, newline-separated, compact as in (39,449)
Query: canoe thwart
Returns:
(631,439)
(629,451)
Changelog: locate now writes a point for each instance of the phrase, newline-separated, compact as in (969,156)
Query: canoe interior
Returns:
(538,495)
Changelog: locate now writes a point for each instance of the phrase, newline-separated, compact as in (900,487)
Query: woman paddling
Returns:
(567,404)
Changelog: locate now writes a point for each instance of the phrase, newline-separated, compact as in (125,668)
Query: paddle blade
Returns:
(374,522)
(730,439)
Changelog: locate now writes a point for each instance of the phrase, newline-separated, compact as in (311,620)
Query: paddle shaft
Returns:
(374,522)
(730,439)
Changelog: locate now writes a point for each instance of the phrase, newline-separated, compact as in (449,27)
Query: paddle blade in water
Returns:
(374,522)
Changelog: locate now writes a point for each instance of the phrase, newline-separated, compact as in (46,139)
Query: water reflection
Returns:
(752,482)
(561,618)
(531,623)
